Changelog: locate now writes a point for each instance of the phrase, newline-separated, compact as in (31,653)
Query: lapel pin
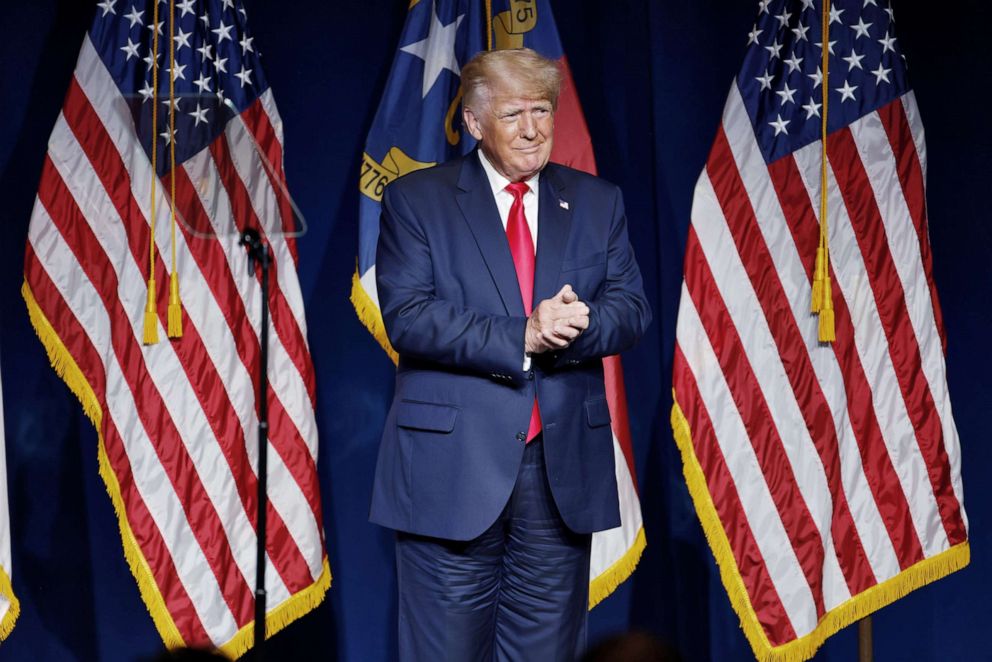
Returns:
(563,204)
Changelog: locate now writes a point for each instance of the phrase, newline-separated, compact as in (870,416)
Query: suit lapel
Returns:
(479,208)
(552,234)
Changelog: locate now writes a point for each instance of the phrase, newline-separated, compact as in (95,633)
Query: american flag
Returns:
(177,420)
(9,606)
(417,126)
(827,476)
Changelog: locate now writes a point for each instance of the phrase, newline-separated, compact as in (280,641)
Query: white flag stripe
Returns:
(743,307)
(151,481)
(908,102)
(873,352)
(769,533)
(166,371)
(275,119)
(614,543)
(8,611)
(796,285)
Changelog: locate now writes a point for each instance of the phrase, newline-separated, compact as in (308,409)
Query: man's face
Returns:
(514,130)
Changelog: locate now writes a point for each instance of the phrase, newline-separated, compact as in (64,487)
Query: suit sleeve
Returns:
(422,326)
(619,314)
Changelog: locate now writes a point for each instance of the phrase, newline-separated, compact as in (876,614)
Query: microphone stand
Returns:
(258,251)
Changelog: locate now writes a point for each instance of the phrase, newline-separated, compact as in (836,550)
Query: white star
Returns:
(243,12)
(221,99)
(835,15)
(853,60)
(246,44)
(245,76)
(200,115)
(779,125)
(168,135)
(180,68)
(812,108)
(783,19)
(228,4)
(891,12)
(131,49)
(766,81)
(182,39)
(220,64)
(763,6)
(437,51)
(793,62)
(157,28)
(786,94)
(205,20)
(134,17)
(107,6)
(887,43)
(807,4)
(204,51)
(187,7)
(752,36)
(203,83)
(817,78)
(223,32)
(861,28)
(146,92)
(830,45)
(800,31)
(774,49)
(148,59)
(174,103)
(846,92)
(870,2)
(881,74)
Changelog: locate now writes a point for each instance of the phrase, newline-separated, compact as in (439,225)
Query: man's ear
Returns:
(471,122)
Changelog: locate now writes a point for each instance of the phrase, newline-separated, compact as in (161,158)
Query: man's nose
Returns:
(528,126)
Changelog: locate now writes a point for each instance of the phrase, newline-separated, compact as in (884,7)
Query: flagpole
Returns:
(865,653)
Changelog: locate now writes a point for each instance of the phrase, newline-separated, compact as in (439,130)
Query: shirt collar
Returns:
(498,182)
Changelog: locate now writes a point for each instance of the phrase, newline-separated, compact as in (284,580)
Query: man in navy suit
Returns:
(496,462)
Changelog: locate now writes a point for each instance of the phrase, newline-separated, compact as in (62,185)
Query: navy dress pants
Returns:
(518,592)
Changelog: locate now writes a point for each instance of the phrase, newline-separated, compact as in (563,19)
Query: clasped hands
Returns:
(556,322)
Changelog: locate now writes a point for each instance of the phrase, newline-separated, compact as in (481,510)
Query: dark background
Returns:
(652,77)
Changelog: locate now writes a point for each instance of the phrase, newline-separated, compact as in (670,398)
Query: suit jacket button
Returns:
(521,436)
(530,374)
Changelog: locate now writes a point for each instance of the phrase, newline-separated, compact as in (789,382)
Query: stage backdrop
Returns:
(653,77)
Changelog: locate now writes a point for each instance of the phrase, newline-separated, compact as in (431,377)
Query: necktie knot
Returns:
(517,189)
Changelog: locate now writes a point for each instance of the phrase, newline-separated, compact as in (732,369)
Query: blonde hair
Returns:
(521,69)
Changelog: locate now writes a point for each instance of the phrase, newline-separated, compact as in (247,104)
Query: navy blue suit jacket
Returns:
(448,291)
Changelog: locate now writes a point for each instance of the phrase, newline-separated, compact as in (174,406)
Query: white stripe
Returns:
(151,481)
(873,352)
(795,283)
(904,244)
(209,320)
(761,353)
(908,102)
(6,566)
(784,569)
(609,546)
(269,106)
(161,361)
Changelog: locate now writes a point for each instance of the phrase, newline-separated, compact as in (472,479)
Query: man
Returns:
(496,463)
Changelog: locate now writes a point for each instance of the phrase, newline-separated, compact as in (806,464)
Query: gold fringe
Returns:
(370,316)
(602,586)
(826,328)
(150,336)
(175,308)
(276,619)
(67,368)
(816,298)
(856,608)
(10,618)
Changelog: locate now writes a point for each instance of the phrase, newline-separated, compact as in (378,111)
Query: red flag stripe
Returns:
(750,402)
(791,345)
(152,411)
(754,571)
(879,472)
(617,400)
(890,300)
(147,535)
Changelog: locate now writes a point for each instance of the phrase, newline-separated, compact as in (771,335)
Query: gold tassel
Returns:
(827,333)
(151,316)
(817,295)
(175,308)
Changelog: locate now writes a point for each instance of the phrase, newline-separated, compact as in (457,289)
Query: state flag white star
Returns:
(437,51)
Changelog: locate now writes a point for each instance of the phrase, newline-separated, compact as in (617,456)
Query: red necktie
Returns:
(522,249)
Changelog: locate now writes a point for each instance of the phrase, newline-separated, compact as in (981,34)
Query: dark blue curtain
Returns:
(652,77)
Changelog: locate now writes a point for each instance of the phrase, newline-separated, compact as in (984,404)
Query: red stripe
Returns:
(761,590)
(775,305)
(260,125)
(616,398)
(200,370)
(757,419)
(890,300)
(163,434)
(146,533)
(283,320)
(910,171)
(883,481)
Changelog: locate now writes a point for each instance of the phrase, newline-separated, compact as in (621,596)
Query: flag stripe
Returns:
(903,346)
(888,499)
(761,590)
(791,346)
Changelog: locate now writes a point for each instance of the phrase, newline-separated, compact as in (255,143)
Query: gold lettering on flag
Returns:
(375,176)
(510,26)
